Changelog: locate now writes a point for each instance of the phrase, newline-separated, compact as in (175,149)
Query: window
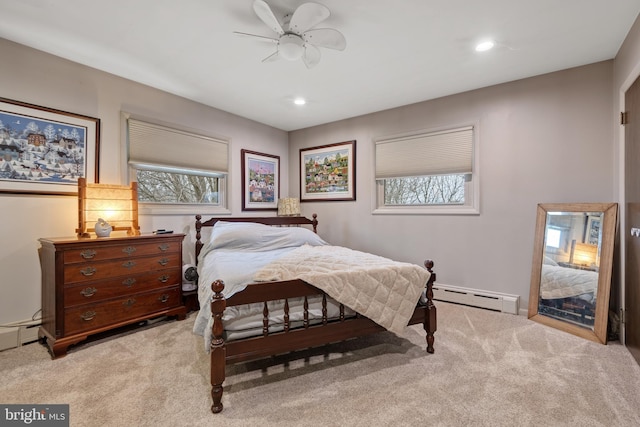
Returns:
(167,187)
(553,237)
(428,172)
(176,169)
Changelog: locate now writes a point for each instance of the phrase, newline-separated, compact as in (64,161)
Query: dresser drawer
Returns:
(92,316)
(91,271)
(107,252)
(112,288)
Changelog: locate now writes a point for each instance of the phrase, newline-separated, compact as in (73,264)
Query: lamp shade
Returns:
(585,254)
(289,206)
(116,205)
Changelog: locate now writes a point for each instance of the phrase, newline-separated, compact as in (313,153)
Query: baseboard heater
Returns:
(11,337)
(505,303)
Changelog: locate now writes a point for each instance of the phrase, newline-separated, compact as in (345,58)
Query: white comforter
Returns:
(563,282)
(383,290)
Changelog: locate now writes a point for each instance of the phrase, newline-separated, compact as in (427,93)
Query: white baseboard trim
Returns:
(496,301)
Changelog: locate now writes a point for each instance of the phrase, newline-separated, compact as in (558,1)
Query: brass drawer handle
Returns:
(128,282)
(88,315)
(88,254)
(164,298)
(163,261)
(88,292)
(164,278)
(129,250)
(164,247)
(129,302)
(89,271)
(129,264)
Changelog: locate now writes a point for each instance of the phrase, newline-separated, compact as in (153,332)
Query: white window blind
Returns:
(161,148)
(437,153)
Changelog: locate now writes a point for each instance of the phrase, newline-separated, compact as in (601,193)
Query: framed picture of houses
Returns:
(328,172)
(260,181)
(592,233)
(45,151)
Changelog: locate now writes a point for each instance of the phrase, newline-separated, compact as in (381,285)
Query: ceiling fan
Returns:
(297,36)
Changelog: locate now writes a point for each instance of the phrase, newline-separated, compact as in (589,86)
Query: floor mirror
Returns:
(572,266)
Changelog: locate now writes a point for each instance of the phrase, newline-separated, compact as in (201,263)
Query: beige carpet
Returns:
(489,369)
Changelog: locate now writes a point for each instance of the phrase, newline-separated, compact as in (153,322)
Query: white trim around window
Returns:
(463,158)
(191,154)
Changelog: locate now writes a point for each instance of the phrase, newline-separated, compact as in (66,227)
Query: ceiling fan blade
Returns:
(263,38)
(326,37)
(262,9)
(307,16)
(272,57)
(311,56)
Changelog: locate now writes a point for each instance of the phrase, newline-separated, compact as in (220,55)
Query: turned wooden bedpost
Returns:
(314,222)
(430,323)
(218,349)
(199,243)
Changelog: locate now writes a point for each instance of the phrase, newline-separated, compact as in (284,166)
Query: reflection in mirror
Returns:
(569,276)
(572,263)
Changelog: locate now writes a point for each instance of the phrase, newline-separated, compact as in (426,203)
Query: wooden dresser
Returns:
(95,284)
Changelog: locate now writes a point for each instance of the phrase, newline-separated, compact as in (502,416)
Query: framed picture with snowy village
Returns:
(328,172)
(45,151)
(260,181)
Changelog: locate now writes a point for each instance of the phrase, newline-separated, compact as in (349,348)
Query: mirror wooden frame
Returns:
(609,224)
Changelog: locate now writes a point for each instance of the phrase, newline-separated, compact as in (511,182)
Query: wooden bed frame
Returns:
(290,339)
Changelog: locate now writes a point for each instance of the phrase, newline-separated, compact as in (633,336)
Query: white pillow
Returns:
(260,237)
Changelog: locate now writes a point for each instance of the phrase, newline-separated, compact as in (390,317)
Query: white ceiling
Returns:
(398,51)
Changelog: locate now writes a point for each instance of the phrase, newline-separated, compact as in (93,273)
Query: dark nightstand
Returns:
(578,266)
(190,300)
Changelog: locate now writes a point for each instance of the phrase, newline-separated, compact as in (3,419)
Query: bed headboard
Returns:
(267,220)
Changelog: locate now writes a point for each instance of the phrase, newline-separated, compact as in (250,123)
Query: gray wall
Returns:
(32,76)
(545,139)
(541,140)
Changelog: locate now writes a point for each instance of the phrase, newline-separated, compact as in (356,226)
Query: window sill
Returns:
(426,210)
(180,209)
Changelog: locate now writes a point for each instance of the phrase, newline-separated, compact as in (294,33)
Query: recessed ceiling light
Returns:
(299,101)
(484,46)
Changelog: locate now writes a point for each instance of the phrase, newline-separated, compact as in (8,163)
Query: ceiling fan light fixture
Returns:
(299,101)
(297,35)
(291,47)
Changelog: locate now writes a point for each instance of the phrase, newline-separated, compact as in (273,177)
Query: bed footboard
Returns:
(269,344)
